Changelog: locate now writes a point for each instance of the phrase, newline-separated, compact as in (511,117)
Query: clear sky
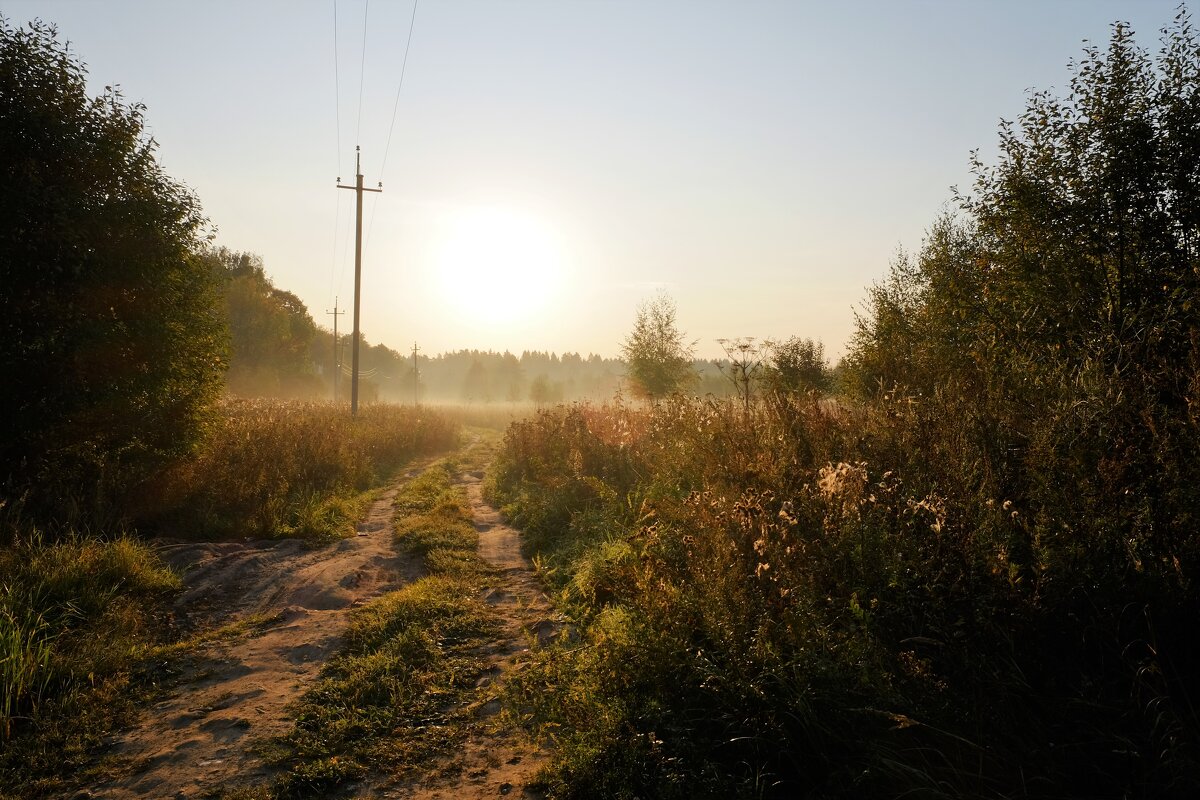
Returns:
(554,163)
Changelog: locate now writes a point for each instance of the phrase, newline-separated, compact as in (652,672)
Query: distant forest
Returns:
(278,350)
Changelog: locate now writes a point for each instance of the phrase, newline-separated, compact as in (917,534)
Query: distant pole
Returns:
(416,377)
(337,365)
(358,191)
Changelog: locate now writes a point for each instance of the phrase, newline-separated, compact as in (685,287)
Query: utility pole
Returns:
(358,191)
(416,378)
(337,362)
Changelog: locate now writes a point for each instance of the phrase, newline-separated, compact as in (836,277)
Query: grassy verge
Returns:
(402,690)
(809,600)
(76,619)
(85,635)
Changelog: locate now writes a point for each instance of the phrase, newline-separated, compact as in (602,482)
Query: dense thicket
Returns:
(111,344)
(1061,309)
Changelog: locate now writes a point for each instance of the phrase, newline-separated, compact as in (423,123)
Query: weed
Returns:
(814,599)
(287,469)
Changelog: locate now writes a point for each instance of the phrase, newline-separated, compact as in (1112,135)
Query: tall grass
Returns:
(81,613)
(270,468)
(819,599)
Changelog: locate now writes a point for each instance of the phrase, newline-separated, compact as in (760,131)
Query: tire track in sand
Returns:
(235,693)
(495,760)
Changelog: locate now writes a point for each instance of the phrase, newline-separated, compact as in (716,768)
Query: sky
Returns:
(549,165)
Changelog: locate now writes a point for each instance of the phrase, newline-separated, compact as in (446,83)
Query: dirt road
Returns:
(495,760)
(236,692)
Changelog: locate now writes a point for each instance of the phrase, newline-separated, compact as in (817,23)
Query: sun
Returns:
(496,264)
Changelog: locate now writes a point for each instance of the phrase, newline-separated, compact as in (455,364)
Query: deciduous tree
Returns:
(658,358)
(112,343)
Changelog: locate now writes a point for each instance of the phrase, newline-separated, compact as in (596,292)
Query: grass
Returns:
(288,469)
(76,617)
(402,689)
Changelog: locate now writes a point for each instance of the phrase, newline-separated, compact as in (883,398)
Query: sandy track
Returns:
(236,692)
(496,760)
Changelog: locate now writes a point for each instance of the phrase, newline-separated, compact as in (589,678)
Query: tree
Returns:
(112,343)
(797,365)
(1059,313)
(658,360)
(271,331)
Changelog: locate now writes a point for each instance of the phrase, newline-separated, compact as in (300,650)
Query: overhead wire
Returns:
(395,106)
(337,115)
(362,69)
(396,103)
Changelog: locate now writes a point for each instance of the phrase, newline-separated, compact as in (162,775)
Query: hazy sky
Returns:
(553,163)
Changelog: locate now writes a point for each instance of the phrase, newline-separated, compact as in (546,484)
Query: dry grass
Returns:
(271,468)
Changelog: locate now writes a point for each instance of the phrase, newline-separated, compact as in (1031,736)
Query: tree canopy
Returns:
(1060,308)
(112,343)
(658,358)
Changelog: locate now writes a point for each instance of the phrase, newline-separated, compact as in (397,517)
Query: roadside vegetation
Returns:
(274,468)
(974,573)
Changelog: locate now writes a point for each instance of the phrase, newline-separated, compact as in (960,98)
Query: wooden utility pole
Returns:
(416,378)
(358,191)
(337,362)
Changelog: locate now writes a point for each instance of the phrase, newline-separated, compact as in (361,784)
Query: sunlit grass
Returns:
(76,617)
(799,599)
(83,618)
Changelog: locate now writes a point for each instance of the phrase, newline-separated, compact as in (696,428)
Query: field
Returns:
(962,560)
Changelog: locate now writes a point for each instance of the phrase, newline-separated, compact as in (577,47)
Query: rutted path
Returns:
(496,760)
(236,692)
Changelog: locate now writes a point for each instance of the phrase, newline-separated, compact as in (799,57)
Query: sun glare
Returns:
(496,265)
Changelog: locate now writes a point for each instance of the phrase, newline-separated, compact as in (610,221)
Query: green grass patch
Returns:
(78,634)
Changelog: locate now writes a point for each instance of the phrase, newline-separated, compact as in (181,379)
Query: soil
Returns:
(235,693)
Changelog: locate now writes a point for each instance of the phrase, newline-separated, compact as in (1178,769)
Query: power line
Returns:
(337,89)
(337,115)
(362,69)
(395,105)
